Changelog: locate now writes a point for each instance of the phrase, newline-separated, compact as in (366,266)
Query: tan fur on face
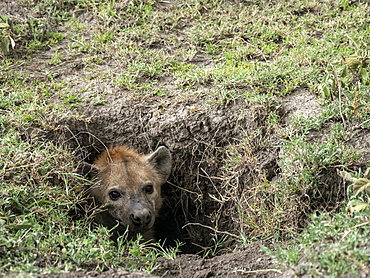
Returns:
(125,171)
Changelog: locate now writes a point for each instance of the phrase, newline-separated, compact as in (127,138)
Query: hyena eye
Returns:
(114,195)
(149,189)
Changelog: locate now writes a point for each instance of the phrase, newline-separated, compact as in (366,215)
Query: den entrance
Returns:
(219,153)
(198,201)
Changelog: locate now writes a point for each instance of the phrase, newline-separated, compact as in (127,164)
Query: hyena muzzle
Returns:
(128,190)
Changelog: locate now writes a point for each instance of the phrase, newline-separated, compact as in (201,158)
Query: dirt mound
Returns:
(248,261)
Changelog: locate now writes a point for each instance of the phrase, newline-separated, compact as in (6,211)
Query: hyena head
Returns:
(129,189)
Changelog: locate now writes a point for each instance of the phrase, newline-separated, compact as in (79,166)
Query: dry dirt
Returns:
(248,261)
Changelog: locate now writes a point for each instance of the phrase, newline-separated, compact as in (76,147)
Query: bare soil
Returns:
(247,261)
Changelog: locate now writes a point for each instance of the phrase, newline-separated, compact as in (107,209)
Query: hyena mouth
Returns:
(135,228)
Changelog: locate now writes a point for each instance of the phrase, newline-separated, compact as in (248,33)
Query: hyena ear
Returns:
(161,160)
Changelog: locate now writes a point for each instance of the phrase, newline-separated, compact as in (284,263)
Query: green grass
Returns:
(254,50)
(334,244)
(331,245)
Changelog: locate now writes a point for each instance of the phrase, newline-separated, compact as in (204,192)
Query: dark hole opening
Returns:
(198,141)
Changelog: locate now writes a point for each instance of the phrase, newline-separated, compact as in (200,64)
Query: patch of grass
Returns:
(347,82)
(33,33)
(217,246)
(303,162)
(303,171)
(6,38)
(332,245)
(302,125)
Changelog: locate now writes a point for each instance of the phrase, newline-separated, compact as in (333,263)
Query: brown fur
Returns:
(129,189)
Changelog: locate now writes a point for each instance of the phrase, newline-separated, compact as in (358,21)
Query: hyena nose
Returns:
(141,218)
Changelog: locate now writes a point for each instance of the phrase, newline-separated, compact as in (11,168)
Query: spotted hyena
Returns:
(128,189)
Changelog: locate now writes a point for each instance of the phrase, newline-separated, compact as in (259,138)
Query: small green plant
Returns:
(56,59)
(217,246)
(72,100)
(170,252)
(289,257)
(143,255)
(347,82)
(358,192)
(6,38)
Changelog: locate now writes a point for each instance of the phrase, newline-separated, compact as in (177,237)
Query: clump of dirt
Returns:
(248,261)
(301,103)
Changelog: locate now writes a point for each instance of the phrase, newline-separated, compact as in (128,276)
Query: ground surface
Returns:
(248,261)
(226,135)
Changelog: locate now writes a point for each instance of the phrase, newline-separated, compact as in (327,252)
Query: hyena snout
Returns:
(141,217)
